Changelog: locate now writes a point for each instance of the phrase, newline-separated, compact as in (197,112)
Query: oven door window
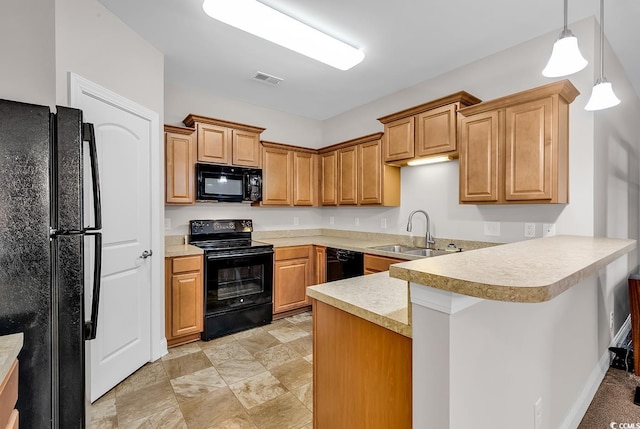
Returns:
(241,281)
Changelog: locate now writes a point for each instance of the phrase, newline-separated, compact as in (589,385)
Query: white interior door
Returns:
(124,142)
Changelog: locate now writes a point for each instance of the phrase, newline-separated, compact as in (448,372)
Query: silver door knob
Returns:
(146,254)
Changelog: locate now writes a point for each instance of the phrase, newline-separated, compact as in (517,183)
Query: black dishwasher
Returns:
(343,264)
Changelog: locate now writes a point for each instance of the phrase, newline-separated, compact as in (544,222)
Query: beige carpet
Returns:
(613,402)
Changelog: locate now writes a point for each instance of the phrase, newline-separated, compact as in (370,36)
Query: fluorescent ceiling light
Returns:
(262,21)
(432,160)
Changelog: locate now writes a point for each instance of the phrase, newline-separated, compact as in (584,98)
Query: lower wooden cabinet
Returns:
(8,398)
(321,264)
(293,272)
(184,296)
(361,372)
(377,264)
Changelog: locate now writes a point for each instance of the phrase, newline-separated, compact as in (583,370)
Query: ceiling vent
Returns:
(267,78)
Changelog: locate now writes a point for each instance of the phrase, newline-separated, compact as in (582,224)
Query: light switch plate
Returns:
(492,229)
(167,223)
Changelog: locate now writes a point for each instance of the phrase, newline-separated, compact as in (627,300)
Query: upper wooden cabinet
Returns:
(224,142)
(425,130)
(329,178)
(515,149)
(180,159)
(355,172)
(348,176)
(289,175)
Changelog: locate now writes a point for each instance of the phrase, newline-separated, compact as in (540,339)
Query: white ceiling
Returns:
(405,42)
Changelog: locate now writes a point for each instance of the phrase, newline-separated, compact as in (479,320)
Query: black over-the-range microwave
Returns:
(228,184)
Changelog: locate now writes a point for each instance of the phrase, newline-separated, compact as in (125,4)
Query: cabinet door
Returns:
(186,304)
(329,183)
(214,144)
(347,176)
(245,148)
(399,139)
(528,151)
(321,265)
(304,179)
(180,158)
(436,133)
(479,157)
(276,179)
(377,264)
(290,284)
(370,173)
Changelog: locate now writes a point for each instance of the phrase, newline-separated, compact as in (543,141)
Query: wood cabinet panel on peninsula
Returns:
(293,272)
(184,307)
(422,131)
(225,142)
(180,159)
(515,149)
(361,372)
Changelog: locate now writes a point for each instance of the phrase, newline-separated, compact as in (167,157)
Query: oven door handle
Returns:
(227,255)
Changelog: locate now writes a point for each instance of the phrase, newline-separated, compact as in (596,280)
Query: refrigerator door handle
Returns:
(91,326)
(88,134)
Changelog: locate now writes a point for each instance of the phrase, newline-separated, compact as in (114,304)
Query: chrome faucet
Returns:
(428,238)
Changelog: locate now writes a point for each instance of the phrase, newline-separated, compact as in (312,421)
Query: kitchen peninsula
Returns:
(501,331)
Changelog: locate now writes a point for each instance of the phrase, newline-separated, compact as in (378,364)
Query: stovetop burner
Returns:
(223,235)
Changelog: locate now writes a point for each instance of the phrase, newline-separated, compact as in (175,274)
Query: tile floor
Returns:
(257,379)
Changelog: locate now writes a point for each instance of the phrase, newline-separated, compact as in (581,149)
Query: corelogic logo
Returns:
(615,425)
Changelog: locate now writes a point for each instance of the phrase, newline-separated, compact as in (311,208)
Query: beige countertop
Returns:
(10,346)
(346,243)
(527,271)
(377,298)
(181,250)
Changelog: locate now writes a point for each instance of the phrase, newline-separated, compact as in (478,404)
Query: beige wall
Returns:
(27,50)
(95,44)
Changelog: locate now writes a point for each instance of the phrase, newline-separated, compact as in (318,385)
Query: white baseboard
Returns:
(582,402)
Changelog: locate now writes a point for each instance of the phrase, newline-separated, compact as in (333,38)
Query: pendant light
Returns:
(565,58)
(602,96)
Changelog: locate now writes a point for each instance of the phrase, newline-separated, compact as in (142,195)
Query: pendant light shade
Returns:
(602,95)
(566,57)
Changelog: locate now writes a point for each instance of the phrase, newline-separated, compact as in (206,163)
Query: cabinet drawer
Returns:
(185,264)
(376,264)
(292,252)
(8,395)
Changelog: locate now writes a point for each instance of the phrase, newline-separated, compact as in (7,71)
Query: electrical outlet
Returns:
(167,223)
(537,414)
(611,321)
(529,229)
(548,229)
(332,220)
(357,221)
(492,229)
(296,220)
(383,223)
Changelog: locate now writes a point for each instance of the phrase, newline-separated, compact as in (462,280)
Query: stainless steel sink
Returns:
(396,248)
(425,252)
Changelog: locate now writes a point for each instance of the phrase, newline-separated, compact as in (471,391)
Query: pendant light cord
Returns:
(601,39)
(566,13)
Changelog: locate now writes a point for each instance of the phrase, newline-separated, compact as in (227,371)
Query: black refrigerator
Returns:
(42,267)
